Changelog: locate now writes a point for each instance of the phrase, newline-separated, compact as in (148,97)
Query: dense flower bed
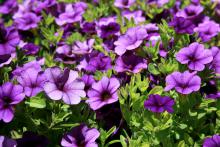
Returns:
(89,73)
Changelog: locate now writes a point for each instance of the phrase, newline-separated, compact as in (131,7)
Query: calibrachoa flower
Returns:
(136,15)
(213,141)
(32,80)
(207,30)
(88,80)
(130,62)
(64,85)
(124,3)
(10,95)
(30,49)
(81,136)
(184,83)
(195,56)
(81,48)
(215,65)
(159,104)
(131,40)
(103,92)
(8,6)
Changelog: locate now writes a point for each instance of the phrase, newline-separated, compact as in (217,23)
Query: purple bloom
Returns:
(103,92)
(64,85)
(81,48)
(207,30)
(88,80)
(159,104)
(124,3)
(8,6)
(6,59)
(89,27)
(7,142)
(27,21)
(81,136)
(152,32)
(72,14)
(136,15)
(9,39)
(210,90)
(32,81)
(184,83)
(130,62)
(10,95)
(64,54)
(215,65)
(213,141)
(195,56)
(182,25)
(159,3)
(131,40)
(30,49)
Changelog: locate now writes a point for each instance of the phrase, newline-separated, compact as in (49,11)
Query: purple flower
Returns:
(64,85)
(9,39)
(103,92)
(215,65)
(136,15)
(72,14)
(8,6)
(30,49)
(27,21)
(89,27)
(124,3)
(184,83)
(81,136)
(159,3)
(130,62)
(210,90)
(32,80)
(182,25)
(7,142)
(10,95)
(81,48)
(6,59)
(131,40)
(213,141)
(152,32)
(159,104)
(207,30)
(195,56)
(88,80)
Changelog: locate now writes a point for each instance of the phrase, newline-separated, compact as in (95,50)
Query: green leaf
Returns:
(38,101)
(156,90)
(152,69)
(181,144)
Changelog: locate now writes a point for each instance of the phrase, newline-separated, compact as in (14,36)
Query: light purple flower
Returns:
(184,83)
(64,85)
(88,80)
(131,40)
(32,80)
(136,15)
(159,104)
(80,136)
(207,30)
(8,6)
(81,48)
(213,141)
(10,95)
(124,3)
(103,92)
(195,56)
(215,65)
(159,3)
(27,21)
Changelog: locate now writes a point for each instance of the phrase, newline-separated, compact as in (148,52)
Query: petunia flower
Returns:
(207,30)
(124,3)
(184,83)
(103,92)
(88,80)
(131,40)
(159,3)
(88,27)
(10,95)
(64,85)
(195,56)
(80,136)
(130,62)
(136,15)
(32,80)
(8,6)
(81,48)
(213,141)
(159,104)
(215,64)
(6,59)
(30,49)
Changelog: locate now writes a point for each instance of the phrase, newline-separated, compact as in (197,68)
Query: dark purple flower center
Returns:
(125,2)
(105,95)
(62,79)
(6,102)
(3,34)
(190,12)
(4,58)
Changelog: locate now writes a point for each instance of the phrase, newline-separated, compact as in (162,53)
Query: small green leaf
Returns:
(38,101)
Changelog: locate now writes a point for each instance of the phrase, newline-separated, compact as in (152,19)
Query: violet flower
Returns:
(195,56)
(64,54)
(103,92)
(131,40)
(159,104)
(80,136)
(207,30)
(6,59)
(32,80)
(64,85)
(88,27)
(88,80)
(30,49)
(81,48)
(213,141)
(10,95)
(184,83)
(130,62)
(7,142)
(215,64)
(210,90)
(137,16)
(8,6)
(124,3)
(159,3)
(27,21)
